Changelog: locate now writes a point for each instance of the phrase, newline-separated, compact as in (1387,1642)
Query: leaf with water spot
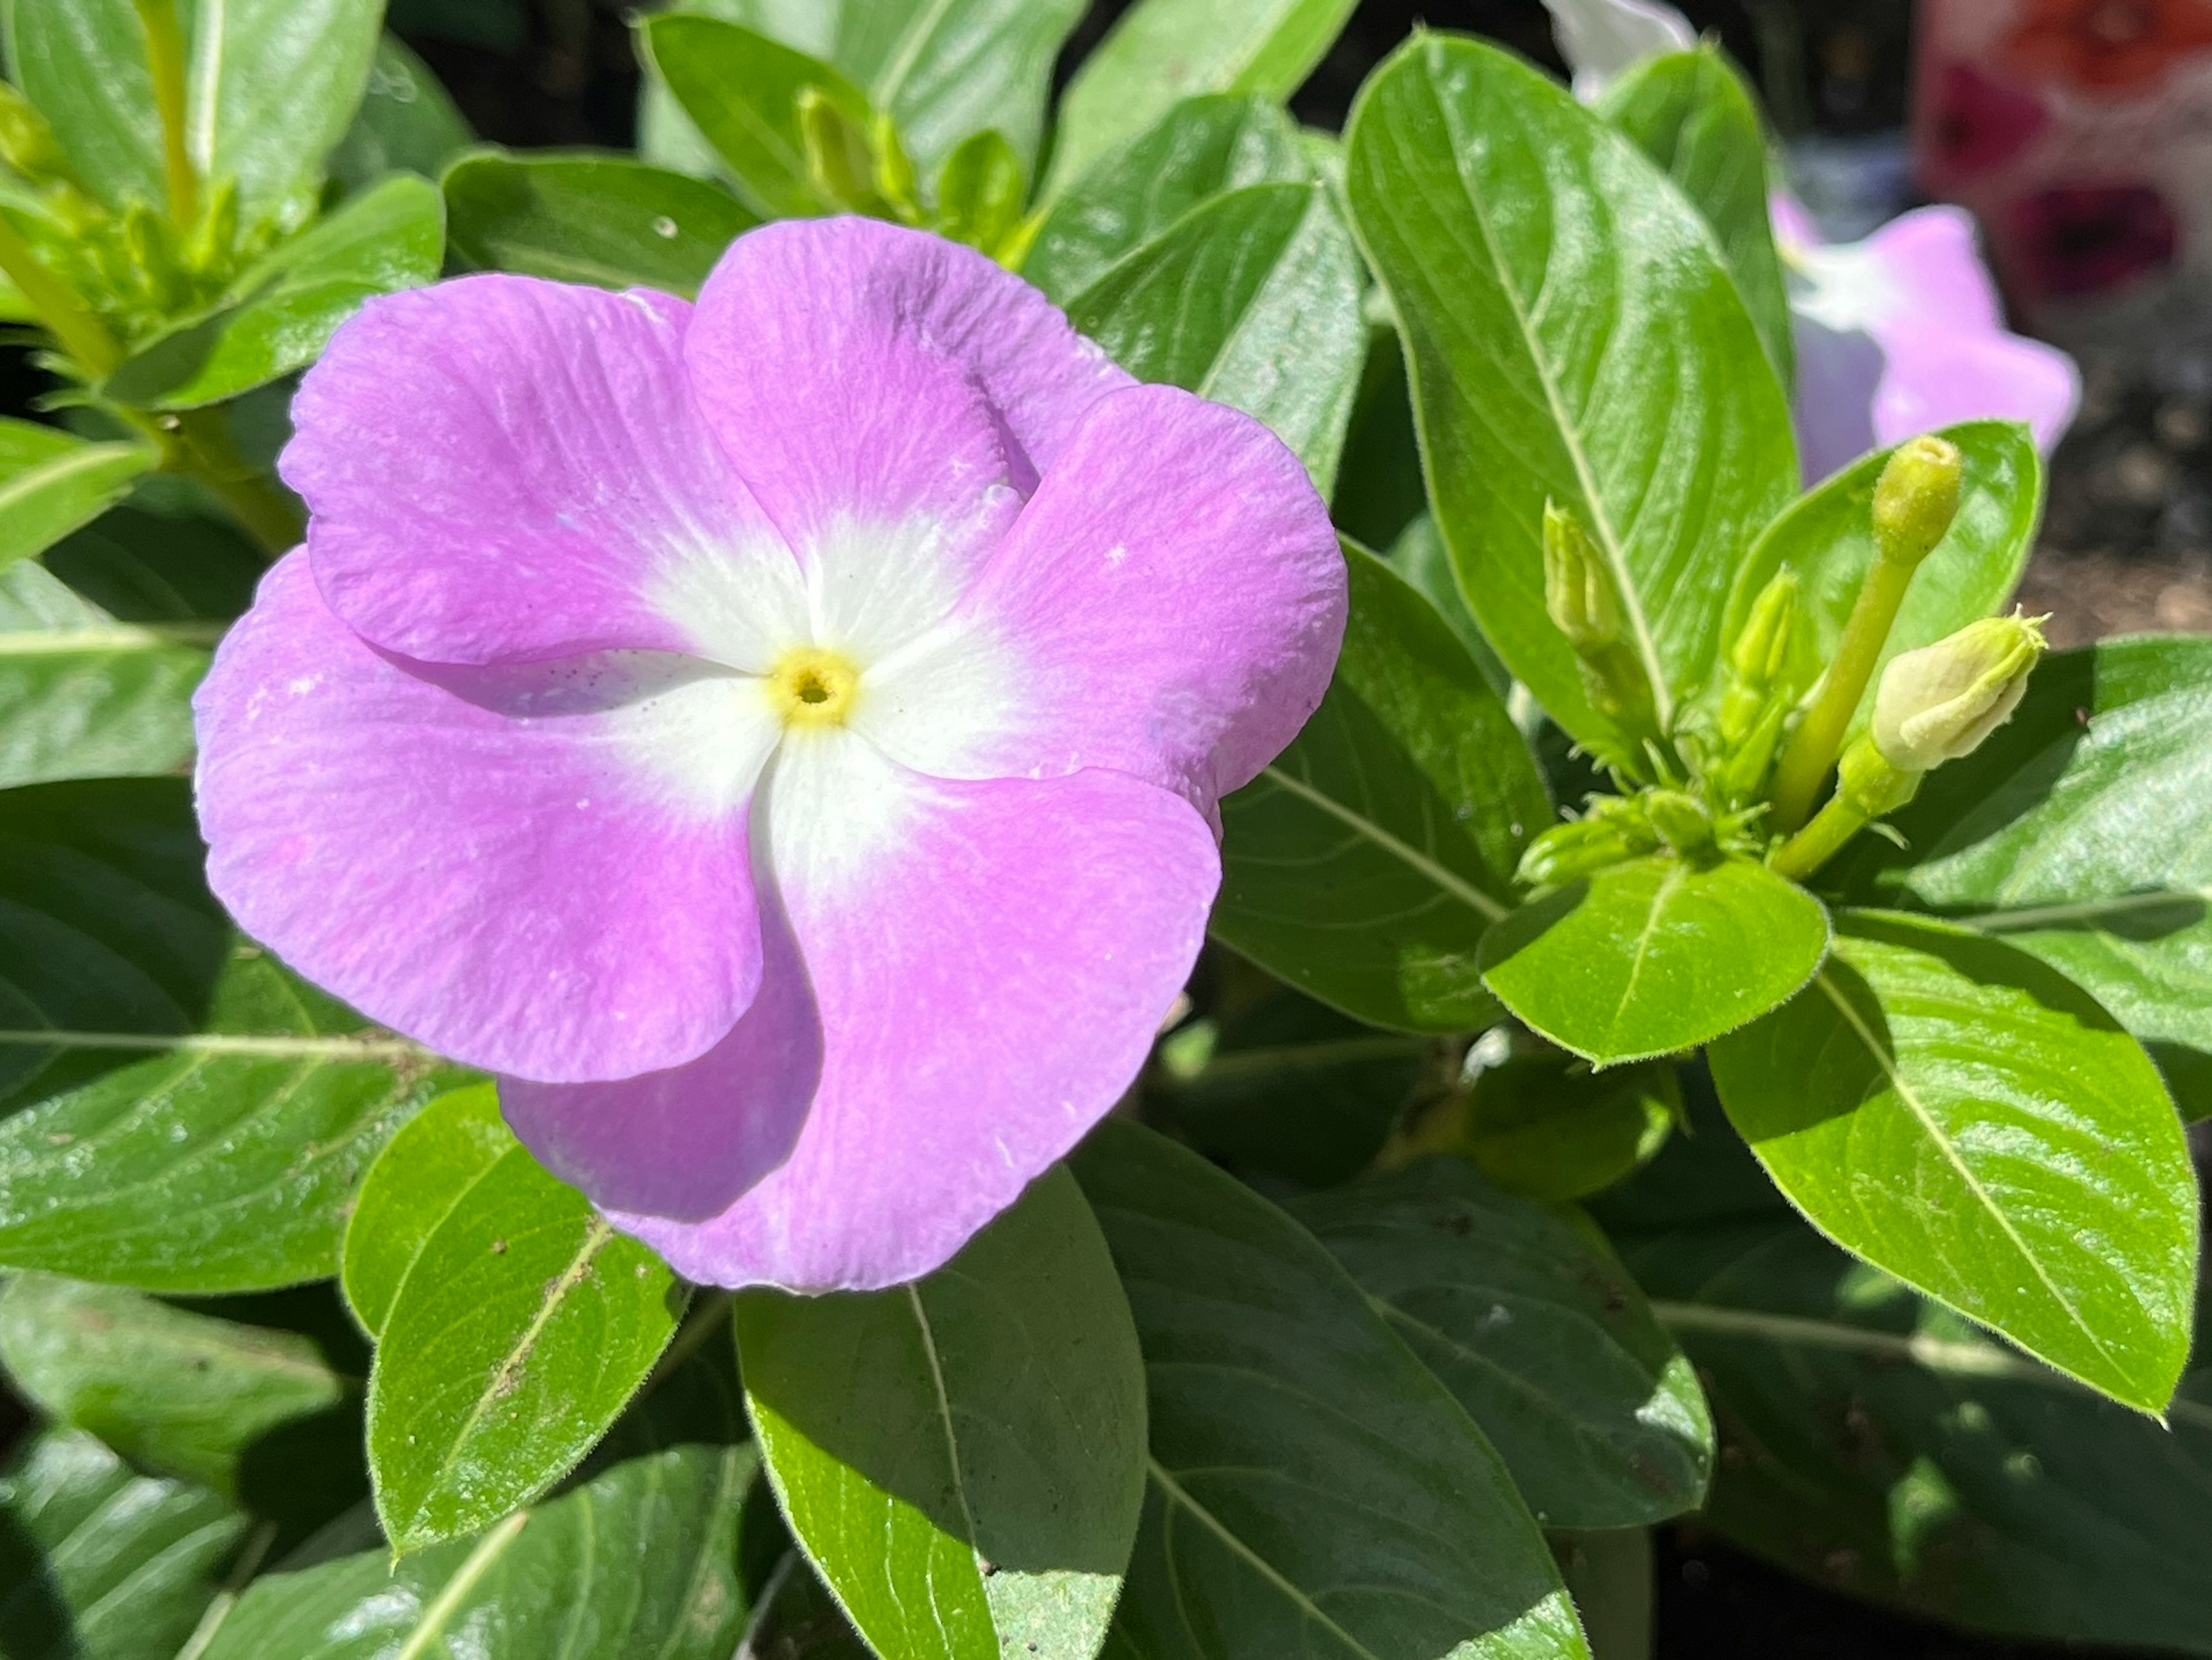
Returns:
(1364,865)
(181,1113)
(1966,1118)
(520,1331)
(962,1457)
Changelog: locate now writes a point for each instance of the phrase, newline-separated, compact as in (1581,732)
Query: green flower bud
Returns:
(1577,587)
(1681,820)
(1938,703)
(1917,499)
(27,142)
(1761,653)
(1584,847)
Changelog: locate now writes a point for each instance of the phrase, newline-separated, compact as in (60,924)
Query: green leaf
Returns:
(422,1173)
(407,121)
(284,307)
(1571,335)
(980,192)
(83,696)
(98,1563)
(639,1560)
(1878,1444)
(1201,147)
(2058,834)
(1965,1117)
(1364,866)
(183,1115)
(1163,51)
(159,568)
(1252,299)
(1691,113)
(273,85)
(1547,1127)
(589,216)
(962,1457)
(1314,1490)
(1827,539)
(741,89)
(51,481)
(1526,1317)
(177,1393)
(1286,1085)
(520,1331)
(83,64)
(1655,955)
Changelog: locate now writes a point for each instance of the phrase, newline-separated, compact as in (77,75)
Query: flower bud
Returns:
(1577,587)
(1761,655)
(1916,499)
(1869,785)
(1583,846)
(1939,702)
(1681,820)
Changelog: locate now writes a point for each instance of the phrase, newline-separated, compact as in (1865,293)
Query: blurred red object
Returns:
(2079,132)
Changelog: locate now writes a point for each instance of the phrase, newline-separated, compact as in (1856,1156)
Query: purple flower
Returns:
(1903,333)
(780,738)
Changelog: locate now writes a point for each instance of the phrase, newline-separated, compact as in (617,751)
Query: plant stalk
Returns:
(201,449)
(1812,748)
(1820,841)
(165,56)
(67,317)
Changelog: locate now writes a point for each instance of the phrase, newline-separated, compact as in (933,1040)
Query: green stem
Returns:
(165,56)
(1812,748)
(202,450)
(1820,841)
(67,317)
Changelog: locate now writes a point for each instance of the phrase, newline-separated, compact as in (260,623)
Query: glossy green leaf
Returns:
(1251,300)
(962,1457)
(520,1330)
(1655,955)
(99,1563)
(1283,1084)
(1967,1119)
(422,1174)
(1691,113)
(51,481)
(741,90)
(637,1563)
(1364,864)
(1546,1126)
(1878,1444)
(141,565)
(1314,1489)
(82,62)
(273,87)
(1163,51)
(177,1393)
(1537,1331)
(182,1114)
(283,309)
(1827,539)
(406,122)
(1571,335)
(2059,833)
(589,216)
(83,696)
(1201,147)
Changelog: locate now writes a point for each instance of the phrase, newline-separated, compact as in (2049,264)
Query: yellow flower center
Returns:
(811,687)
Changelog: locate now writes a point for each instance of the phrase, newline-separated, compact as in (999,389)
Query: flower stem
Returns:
(74,324)
(165,56)
(1812,749)
(202,449)
(1820,841)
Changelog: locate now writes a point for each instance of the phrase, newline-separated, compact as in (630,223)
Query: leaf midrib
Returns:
(1453,883)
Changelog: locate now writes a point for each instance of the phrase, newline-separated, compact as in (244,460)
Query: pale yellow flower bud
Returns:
(1938,703)
(1916,499)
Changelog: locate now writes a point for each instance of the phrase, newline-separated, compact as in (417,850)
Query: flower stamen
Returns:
(809,686)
